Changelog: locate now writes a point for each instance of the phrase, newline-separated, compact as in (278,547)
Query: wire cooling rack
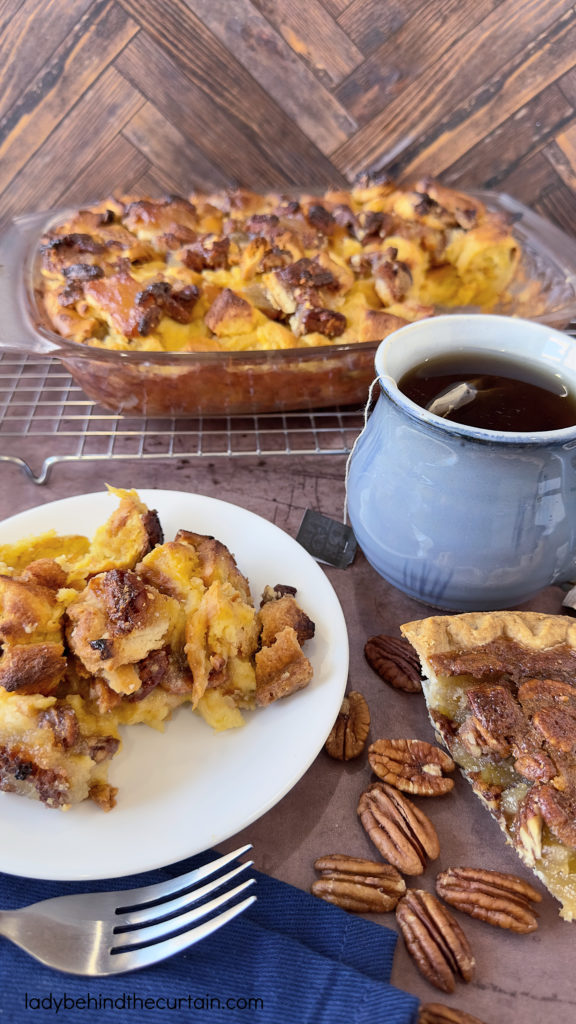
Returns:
(45,418)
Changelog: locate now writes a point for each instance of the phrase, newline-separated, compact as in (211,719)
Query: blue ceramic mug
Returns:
(465,518)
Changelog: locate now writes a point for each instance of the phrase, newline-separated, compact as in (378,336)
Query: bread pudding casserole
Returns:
(123,629)
(240,271)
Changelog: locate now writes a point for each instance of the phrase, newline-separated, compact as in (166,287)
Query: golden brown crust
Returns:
(229,314)
(269,272)
(32,668)
(376,325)
(129,533)
(29,611)
(281,669)
(114,625)
(534,630)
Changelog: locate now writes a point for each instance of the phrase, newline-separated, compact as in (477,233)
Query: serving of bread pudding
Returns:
(122,629)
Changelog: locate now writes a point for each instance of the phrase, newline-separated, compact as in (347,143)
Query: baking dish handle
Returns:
(17,329)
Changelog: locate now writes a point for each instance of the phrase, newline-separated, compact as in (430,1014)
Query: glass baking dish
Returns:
(238,382)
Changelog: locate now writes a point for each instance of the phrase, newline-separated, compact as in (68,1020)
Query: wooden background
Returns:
(160,96)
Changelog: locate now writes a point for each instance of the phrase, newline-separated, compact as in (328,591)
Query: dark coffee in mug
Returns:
(484,389)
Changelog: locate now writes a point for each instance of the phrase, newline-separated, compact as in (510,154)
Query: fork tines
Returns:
(170,914)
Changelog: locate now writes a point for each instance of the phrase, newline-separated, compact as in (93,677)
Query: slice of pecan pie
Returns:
(500,689)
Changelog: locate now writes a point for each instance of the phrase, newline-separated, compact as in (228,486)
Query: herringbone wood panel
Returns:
(152,96)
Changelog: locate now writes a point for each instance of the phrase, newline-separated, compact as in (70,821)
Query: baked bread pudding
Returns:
(122,629)
(500,688)
(237,270)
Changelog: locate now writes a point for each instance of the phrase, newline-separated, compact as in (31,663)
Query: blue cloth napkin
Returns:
(289,959)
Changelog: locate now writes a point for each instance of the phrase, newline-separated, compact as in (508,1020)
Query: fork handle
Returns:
(34,933)
(16,926)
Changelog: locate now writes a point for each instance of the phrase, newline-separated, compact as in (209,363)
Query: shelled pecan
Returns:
(395,661)
(436,1013)
(413,766)
(494,897)
(434,939)
(350,730)
(400,831)
(356,884)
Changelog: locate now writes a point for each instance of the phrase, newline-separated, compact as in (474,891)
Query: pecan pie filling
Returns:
(506,711)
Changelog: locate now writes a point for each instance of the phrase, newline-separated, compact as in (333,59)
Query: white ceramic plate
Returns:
(189,788)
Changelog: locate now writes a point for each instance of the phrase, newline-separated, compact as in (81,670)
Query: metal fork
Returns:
(104,933)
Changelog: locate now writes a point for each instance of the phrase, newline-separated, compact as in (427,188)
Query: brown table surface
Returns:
(519,978)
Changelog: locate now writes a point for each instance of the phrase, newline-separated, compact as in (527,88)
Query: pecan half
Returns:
(82,272)
(545,804)
(364,886)
(395,661)
(126,599)
(320,218)
(62,720)
(492,896)
(558,810)
(320,320)
(392,281)
(100,748)
(104,795)
(158,299)
(528,828)
(307,273)
(370,224)
(275,593)
(208,252)
(434,939)
(400,831)
(413,766)
(262,224)
(436,1013)
(350,730)
(76,241)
